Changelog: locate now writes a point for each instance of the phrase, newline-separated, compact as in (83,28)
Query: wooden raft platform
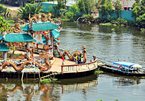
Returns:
(68,67)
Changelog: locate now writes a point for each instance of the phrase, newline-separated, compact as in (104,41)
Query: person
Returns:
(16,28)
(43,17)
(49,17)
(80,58)
(56,52)
(29,53)
(84,54)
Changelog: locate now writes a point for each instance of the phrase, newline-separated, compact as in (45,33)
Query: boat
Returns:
(123,68)
(40,64)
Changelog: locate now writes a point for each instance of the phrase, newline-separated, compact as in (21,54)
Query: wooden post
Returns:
(51,43)
(22,76)
(39,77)
(5,56)
(62,69)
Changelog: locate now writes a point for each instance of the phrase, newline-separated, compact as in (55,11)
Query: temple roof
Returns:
(1,37)
(41,26)
(55,33)
(18,37)
(3,47)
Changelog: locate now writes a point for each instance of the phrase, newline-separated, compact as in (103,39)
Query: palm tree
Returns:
(29,10)
(4,11)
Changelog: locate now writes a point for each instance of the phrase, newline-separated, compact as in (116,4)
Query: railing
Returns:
(79,67)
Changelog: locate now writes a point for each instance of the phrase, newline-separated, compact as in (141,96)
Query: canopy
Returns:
(126,64)
(48,7)
(1,37)
(18,37)
(55,33)
(41,26)
(3,47)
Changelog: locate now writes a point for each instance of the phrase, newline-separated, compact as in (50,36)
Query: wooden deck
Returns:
(56,66)
(57,63)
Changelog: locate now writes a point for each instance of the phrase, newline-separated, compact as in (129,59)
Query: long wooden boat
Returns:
(123,68)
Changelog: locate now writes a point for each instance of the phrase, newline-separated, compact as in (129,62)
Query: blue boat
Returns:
(124,68)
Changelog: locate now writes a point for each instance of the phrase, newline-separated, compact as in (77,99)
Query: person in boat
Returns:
(77,56)
(83,55)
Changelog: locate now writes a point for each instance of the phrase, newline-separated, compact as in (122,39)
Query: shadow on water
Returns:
(125,80)
(15,90)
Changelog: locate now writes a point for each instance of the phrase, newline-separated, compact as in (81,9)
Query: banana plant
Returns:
(29,10)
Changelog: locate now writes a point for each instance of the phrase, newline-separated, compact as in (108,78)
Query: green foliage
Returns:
(4,11)
(32,1)
(86,6)
(29,10)
(106,9)
(119,21)
(49,80)
(87,16)
(99,100)
(98,72)
(118,7)
(59,8)
(70,15)
(74,8)
(142,30)
(45,81)
(139,12)
(141,20)
(5,26)
(106,24)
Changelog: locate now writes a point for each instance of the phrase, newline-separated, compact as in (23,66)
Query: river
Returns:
(108,44)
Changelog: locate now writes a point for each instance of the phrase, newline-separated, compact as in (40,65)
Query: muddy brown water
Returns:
(107,43)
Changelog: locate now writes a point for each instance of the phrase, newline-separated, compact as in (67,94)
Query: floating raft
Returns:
(69,68)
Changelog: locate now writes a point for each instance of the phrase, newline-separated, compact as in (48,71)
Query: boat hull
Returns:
(115,71)
(68,71)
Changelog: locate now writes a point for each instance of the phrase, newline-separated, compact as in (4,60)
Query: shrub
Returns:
(70,15)
(119,21)
(141,20)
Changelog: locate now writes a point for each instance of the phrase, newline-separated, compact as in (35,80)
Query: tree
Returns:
(118,7)
(86,6)
(106,9)
(5,26)
(29,10)
(139,12)
(60,8)
(71,14)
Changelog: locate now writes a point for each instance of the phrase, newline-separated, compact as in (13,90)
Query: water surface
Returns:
(107,43)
